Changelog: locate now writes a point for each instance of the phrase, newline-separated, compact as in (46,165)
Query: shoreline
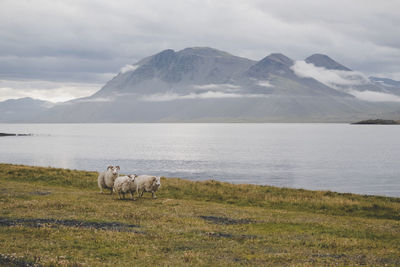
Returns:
(14,134)
(214,181)
(189,223)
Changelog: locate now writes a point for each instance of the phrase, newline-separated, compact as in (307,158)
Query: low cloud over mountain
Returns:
(205,84)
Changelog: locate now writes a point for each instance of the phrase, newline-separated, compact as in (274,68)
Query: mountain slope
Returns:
(22,109)
(209,85)
(170,70)
(325,61)
(387,85)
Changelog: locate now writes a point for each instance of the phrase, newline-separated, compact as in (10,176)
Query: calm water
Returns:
(339,157)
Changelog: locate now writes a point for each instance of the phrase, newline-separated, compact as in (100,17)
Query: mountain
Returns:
(274,64)
(325,61)
(387,85)
(175,71)
(386,82)
(22,109)
(202,84)
(353,82)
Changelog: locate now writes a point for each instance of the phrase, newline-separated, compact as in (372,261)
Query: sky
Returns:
(58,50)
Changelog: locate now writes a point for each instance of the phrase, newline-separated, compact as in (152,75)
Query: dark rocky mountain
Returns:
(274,64)
(321,60)
(170,70)
(202,84)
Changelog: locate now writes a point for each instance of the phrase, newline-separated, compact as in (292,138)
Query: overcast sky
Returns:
(62,49)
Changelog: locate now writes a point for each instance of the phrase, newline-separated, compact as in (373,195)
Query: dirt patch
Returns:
(111,226)
(227,235)
(11,260)
(224,220)
(40,193)
(336,256)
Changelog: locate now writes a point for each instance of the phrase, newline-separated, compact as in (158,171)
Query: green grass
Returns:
(190,223)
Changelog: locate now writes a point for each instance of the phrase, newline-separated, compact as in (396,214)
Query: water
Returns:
(339,157)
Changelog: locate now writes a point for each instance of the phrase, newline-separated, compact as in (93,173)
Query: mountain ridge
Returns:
(321,60)
(209,85)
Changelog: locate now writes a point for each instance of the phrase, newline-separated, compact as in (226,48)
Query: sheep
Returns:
(147,183)
(125,184)
(106,179)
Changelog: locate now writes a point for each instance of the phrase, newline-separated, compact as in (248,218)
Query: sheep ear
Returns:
(109,167)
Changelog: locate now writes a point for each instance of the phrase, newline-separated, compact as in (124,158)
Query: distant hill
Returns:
(378,122)
(202,84)
(22,110)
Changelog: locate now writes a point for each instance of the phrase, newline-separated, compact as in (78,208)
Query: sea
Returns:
(363,159)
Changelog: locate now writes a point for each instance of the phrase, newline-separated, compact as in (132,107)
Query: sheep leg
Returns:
(141,193)
(131,194)
(153,195)
(137,192)
(111,191)
(119,195)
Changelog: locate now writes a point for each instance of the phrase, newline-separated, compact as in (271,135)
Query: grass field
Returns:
(55,216)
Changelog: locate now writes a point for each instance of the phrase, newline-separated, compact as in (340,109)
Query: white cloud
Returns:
(128,67)
(343,80)
(332,78)
(207,95)
(45,90)
(44,38)
(264,83)
(214,86)
(98,99)
(372,96)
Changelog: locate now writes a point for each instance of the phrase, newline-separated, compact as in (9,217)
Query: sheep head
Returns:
(132,177)
(113,169)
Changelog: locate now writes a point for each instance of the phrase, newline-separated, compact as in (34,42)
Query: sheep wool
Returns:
(147,183)
(106,179)
(125,184)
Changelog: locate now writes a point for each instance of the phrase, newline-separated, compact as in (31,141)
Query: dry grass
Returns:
(54,216)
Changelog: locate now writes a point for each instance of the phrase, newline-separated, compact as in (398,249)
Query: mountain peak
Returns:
(25,100)
(275,63)
(280,58)
(203,51)
(321,60)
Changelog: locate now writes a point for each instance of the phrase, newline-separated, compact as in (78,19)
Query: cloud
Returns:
(94,100)
(207,95)
(128,67)
(332,78)
(122,32)
(343,81)
(264,83)
(220,86)
(372,96)
(88,41)
(45,90)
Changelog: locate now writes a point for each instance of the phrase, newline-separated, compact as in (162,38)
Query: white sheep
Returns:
(147,183)
(125,184)
(106,179)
